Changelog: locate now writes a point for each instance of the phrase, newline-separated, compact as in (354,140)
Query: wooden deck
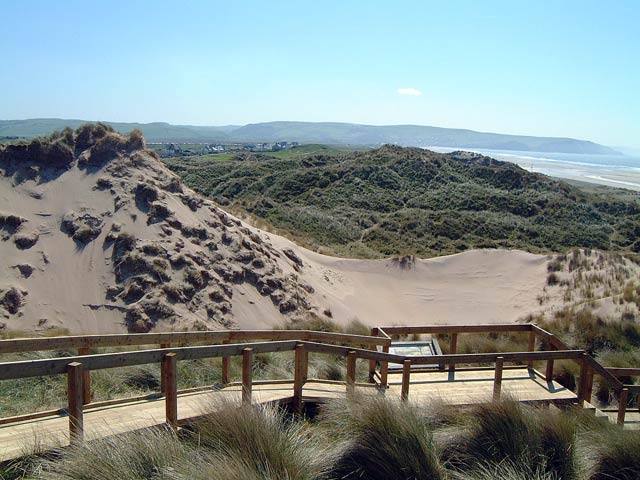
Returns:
(459,388)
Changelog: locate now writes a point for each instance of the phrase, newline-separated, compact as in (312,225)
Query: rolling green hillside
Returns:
(331,133)
(394,200)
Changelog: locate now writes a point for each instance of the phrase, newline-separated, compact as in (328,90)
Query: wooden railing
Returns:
(84,344)
(302,342)
(537,337)
(627,389)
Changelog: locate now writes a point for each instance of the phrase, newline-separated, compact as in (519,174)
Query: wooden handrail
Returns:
(55,366)
(606,375)
(18,345)
(78,368)
(623,372)
(476,328)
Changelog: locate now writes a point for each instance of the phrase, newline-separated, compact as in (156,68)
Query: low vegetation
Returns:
(60,149)
(403,201)
(365,438)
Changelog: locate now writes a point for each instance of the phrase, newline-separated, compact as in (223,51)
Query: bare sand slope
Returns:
(478,286)
(106,245)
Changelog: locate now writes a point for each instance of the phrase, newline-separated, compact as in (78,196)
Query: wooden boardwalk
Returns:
(459,388)
(465,379)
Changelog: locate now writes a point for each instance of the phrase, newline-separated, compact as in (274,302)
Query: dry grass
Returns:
(366,438)
(382,439)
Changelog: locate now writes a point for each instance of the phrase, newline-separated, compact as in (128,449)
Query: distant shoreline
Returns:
(579,167)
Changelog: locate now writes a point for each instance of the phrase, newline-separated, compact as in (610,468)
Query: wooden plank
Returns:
(406,380)
(588,389)
(548,375)
(86,378)
(214,336)
(169,361)
(438,359)
(532,344)
(477,328)
(384,367)
(30,416)
(382,333)
(247,374)
(112,340)
(162,386)
(624,372)
(582,379)
(453,349)
(74,397)
(622,405)
(226,367)
(298,380)
(497,381)
(309,335)
(351,371)
(372,362)
(305,365)
(610,379)
(35,368)
(540,331)
(346,338)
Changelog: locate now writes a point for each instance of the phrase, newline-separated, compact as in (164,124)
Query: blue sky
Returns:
(557,68)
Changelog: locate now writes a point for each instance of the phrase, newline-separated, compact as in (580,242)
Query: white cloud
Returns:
(409,91)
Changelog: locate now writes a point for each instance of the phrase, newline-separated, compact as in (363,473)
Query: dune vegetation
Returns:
(394,200)
(365,438)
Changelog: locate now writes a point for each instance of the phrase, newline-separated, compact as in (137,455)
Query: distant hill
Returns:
(394,201)
(325,132)
(410,136)
(153,132)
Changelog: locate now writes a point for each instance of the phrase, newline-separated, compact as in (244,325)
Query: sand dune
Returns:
(101,246)
(478,286)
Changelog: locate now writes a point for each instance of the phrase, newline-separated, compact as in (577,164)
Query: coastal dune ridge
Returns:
(108,239)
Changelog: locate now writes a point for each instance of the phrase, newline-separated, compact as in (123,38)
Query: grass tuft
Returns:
(382,439)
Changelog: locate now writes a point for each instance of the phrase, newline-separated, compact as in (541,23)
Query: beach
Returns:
(622,171)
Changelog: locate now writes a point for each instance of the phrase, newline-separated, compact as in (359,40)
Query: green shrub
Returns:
(135,456)
(533,440)
(258,439)
(382,439)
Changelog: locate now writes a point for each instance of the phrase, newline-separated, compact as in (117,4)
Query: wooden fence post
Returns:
(247,374)
(532,345)
(372,363)
(74,398)
(622,405)
(305,365)
(162,386)
(453,348)
(384,368)
(582,380)
(86,378)
(169,362)
(406,379)
(351,372)
(548,374)
(497,381)
(226,367)
(588,389)
(298,380)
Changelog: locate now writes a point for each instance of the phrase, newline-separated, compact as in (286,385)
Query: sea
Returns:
(622,171)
